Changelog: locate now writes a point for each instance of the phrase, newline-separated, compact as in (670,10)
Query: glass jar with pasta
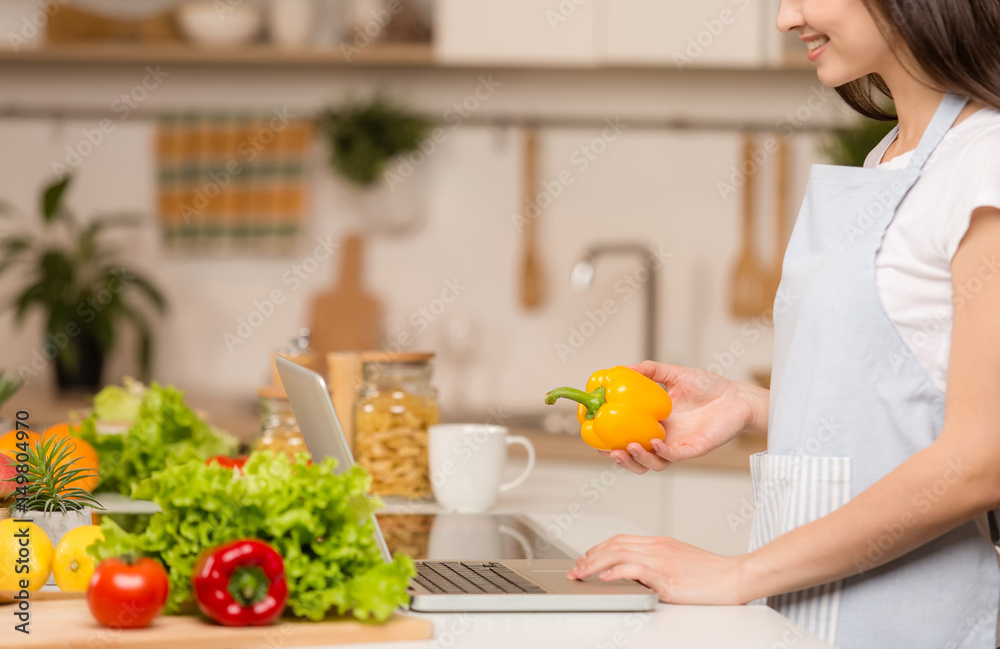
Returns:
(396,403)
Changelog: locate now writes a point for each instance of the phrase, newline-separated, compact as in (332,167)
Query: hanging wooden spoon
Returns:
(748,280)
(532,283)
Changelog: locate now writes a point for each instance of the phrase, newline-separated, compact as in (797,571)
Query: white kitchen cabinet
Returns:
(517,32)
(683,34)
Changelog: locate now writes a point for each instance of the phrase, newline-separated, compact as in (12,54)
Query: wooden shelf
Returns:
(403,55)
(399,55)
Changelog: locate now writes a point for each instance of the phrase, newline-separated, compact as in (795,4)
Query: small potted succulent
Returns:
(49,494)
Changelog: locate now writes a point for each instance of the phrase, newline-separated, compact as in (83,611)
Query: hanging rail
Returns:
(785,124)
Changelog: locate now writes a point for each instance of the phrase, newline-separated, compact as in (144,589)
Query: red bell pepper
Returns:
(241,583)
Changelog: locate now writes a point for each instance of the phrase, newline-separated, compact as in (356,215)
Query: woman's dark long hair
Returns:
(955,42)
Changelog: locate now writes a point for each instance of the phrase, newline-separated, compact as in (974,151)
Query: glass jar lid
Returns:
(395,357)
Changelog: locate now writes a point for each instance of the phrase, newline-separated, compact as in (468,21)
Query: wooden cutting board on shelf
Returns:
(346,317)
(67,624)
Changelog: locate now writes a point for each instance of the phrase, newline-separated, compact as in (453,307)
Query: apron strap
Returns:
(874,158)
(944,117)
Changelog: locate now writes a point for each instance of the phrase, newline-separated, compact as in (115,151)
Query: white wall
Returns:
(655,186)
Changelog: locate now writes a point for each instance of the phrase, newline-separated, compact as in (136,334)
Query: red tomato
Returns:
(226,461)
(126,593)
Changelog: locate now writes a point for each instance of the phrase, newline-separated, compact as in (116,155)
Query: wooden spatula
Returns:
(749,278)
(780,223)
(532,278)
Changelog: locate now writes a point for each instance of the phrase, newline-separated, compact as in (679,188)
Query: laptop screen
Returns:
(419,535)
(318,421)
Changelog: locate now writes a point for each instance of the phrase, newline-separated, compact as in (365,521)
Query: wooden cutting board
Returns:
(8,596)
(67,624)
(346,318)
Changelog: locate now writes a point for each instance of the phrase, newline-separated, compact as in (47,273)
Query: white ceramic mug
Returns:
(466,464)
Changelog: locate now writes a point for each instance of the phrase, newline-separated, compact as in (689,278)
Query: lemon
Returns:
(72,566)
(25,547)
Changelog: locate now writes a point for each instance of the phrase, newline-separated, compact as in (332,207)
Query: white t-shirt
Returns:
(913,266)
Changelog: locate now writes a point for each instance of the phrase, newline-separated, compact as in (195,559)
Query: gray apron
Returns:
(850,403)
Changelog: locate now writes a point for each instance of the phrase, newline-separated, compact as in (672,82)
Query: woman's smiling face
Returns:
(842,38)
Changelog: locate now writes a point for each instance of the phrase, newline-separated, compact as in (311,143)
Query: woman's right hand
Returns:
(708,411)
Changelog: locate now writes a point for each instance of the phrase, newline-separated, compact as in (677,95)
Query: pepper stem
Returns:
(592,401)
(248,585)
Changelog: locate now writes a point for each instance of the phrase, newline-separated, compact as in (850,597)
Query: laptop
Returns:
(467,578)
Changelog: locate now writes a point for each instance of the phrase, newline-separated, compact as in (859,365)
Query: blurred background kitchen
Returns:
(529,189)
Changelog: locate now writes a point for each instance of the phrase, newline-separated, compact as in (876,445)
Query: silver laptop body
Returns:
(538,584)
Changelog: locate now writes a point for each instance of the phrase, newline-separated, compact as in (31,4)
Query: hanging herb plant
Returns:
(363,138)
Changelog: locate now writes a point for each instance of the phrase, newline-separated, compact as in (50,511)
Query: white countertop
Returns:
(668,627)
(543,499)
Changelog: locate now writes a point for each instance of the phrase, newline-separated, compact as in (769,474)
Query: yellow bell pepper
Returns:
(619,407)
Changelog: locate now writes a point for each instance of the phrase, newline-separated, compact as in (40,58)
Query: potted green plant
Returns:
(47,495)
(364,139)
(79,281)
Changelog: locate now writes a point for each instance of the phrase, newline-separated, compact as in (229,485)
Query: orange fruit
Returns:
(83,457)
(61,430)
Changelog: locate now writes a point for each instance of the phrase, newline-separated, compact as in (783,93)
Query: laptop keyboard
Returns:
(459,578)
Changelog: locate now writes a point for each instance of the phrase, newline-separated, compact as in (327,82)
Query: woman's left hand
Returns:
(677,572)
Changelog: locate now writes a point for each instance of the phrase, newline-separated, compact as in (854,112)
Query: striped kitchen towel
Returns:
(232,181)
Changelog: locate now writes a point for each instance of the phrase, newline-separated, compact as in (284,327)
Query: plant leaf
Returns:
(87,244)
(146,287)
(13,245)
(31,295)
(12,249)
(8,386)
(49,489)
(52,198)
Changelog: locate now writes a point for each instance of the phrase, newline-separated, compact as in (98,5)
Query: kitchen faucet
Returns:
(583,274)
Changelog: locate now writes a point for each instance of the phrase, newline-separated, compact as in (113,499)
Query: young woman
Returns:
(883,419)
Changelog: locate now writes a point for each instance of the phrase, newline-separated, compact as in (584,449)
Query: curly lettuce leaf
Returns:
(165,432)
(319,521)
(119,403)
